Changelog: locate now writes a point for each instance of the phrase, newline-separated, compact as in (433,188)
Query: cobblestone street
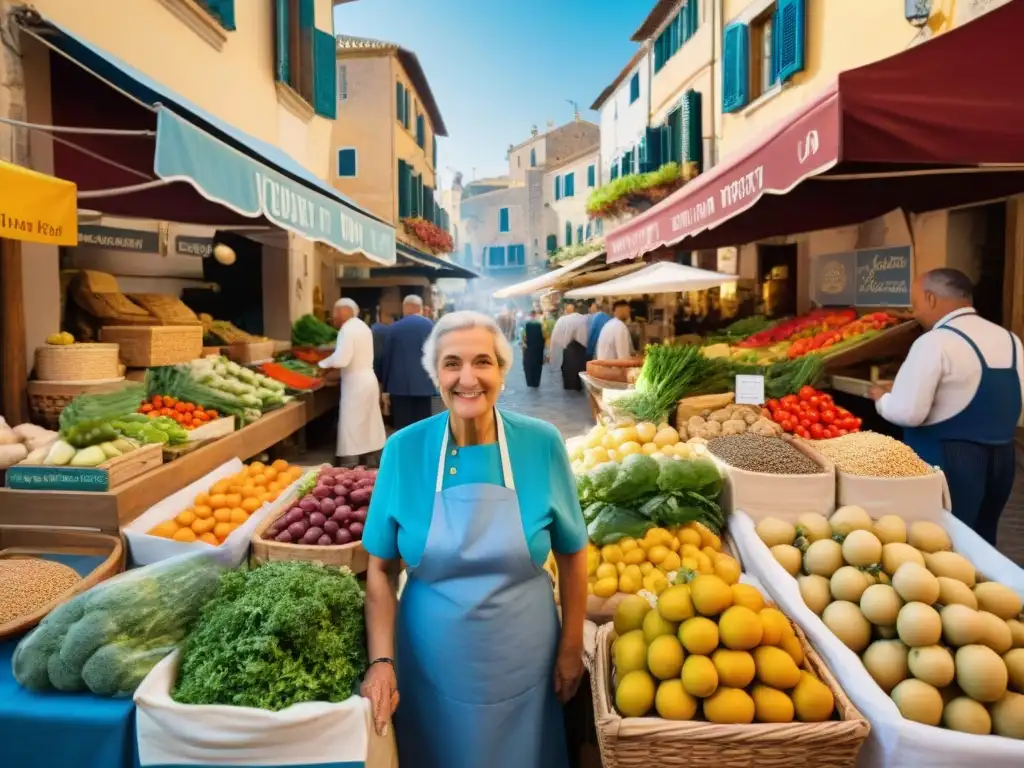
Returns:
(569,411)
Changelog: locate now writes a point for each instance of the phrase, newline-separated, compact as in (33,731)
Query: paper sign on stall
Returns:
(749,390)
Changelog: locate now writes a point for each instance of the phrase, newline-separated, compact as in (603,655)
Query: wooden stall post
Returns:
(13,373)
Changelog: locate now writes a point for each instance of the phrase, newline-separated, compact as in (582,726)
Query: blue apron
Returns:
(985,420)
(477,636)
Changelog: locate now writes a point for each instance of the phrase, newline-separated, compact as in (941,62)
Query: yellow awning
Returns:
(37,207)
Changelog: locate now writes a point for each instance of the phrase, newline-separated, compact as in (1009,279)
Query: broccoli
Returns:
(29,663)
(63,676)
(638,476)
(85,637)
(118,668)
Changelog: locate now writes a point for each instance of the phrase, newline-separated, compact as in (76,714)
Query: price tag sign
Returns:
(749,390)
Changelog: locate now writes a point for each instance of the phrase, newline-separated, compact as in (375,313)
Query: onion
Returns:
(284,537)
(294,515)
(359,497)
(330,527)
(358,515)
(339,490)
(327,506)
(297,530)
(317,519)
(325,540)
(322,491)
(356,529)
(309,504)
(342,513)
(342,537)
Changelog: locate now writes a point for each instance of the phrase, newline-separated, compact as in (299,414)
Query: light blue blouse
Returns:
(403,498)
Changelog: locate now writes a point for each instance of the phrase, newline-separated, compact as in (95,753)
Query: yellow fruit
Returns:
(708,538)
(629,614)
(747,596)
(704,564)
(627,544)
(688,550)
(775,667)
(655,625)
(740,628)
(620,568)
(711,553)
(165,530)
(966,715)
(771,706)
(648,449)
(629,652)
(593,562)
(728,569)
(729,706)
(981,673)
(1008,716)
(657,553)
(606,587)
(775,625)
(812,700)
(710,595)
(186,517)
(689,536)
(635,695)
(630,583)
(699,676)
(674,544)
(918,701)
(699,635)
(629,448)
(676,603)
(606,571)
(670,563)
(736,669)
(632,570)
(611,553)
(655,582)
(645,567)
(634,556)
(665,657)
(791,645)
(184,535)
(672,702)
(590,587)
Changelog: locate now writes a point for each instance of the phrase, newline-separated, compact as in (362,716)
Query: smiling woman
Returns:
(473,501)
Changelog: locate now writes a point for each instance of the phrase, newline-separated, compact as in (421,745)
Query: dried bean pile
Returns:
(870,454)
(29,583)
(757,453)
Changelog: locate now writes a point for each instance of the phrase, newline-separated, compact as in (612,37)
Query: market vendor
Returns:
(958,398)
(569,347)
(361,432)
(615,343)
(473,501)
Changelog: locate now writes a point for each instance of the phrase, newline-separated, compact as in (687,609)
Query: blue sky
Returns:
(496,67)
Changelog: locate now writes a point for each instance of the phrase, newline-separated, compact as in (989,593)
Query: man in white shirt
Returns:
(615,343)
(569,347)
(958,398)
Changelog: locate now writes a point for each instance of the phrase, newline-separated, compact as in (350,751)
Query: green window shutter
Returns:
(533,158)
(416,208)
(579,234)
(282,54)
(652,149)
(570,184)
(400,101)
(306,55)
(421,132)
(222,10)
(434,142)
(692,15)
(558,187)
(347,162)
(588,230)
(404,189)
(615,170)
(552,243)
(568,233)
(407,114)
(325,75)
(735,67)
(591,176)
(790,31)
(693,134)
(428,204)
(503,219)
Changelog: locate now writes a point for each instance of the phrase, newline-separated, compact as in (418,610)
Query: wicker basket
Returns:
(246,353)
(77,362)
(46,399)
(146,346)
(639,742)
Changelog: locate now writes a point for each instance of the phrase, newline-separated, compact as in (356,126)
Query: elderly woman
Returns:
(473,500)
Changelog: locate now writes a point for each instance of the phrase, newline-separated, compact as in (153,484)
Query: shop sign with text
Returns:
(873,277)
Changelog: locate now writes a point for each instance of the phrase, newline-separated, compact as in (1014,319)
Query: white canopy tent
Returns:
(539,283)
(663,277)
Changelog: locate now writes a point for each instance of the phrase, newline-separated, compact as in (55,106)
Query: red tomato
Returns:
(859,421)
(787,425)
(817,431)
(789,401)
(805,423)
(832,432)
(781,415)
(772,404)
(806,393)
(815,401)
(803,433)
(843,412)
(843,432)
(849,424)
(813,416)
(828,415)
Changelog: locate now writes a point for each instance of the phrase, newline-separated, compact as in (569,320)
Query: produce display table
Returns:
(111,510)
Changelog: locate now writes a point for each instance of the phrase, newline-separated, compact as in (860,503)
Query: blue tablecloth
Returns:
(61,730)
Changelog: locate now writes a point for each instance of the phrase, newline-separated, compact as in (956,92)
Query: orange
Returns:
(250,505)
(202,500)
(264,498)
(274,487)
(233,499)
(280,465)
(165,530)
(274,495)
(187,517)
(256,466)
(209,538)
(259,479)
(238,516)
(218,501)
(203,526)
(185,534)
(203,512)
(270,473)
(220,487)
(222,515)
(235,487)
(221,530)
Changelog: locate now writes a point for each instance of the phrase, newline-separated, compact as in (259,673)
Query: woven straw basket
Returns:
(77,362)
(155,345)
(640,742)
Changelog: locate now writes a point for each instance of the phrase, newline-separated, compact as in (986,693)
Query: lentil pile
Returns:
(757,453)
(29,583)
(869,454)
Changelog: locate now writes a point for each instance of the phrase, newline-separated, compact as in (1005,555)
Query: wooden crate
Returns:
(100,479)
(77,362)
(145,346)
(249,352)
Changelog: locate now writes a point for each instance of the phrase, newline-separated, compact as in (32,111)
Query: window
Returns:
(430,209)
(519,161)
(496,256)
(342,82)
(568,233)
(558,187)
(347,162)
(591,176)
(222,10)
(421,132)
(570,184)
(615,170)
(400,102)
(434,141)
(407,114)
(692,138)
(533,158)
(674,36)
(516,256)
(757,57)
(503,219)
(305,57)
(627,163)
(404,190)
(763,61)
(634,87)
(588,230)
(579,234)
(552,244)
(467,254)
(599,226)
(417,197)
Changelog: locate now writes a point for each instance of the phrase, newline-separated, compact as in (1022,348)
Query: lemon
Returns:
(676,604)
(630,583)
(635,556)
(606,571)
(747,596)
(620,567)
(648,449)
(771,705)
(665,657)
(775,626)
(626,544)
(689,536)
(710,595)
(672,702)
(699,635)
(611,553)
(776,668)
(645,567)
(657,553)
(608,442)
(728,569)
(704,564)
(656,582)
(635,695)
(740,628)
(655,625)
(606,587)
(670,563)
(593,562)
(629,448)
(629,653)
(729,706)
(735,669)
(629,614)
(646,431)
(699,676)
(812,700)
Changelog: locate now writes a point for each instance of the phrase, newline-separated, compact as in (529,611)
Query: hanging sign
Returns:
(117,239)
(189,245)
(873,277)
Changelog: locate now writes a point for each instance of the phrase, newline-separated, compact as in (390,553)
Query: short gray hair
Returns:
(464,321)
(948,283)
(347,303)
(413,299)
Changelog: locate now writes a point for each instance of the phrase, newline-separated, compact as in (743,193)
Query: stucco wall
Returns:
(570,209)
(686,65)
(623,124)
(480,220)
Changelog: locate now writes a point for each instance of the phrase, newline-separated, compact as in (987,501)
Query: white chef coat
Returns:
(568,328)
(942,372)
(360,424)
(614,343)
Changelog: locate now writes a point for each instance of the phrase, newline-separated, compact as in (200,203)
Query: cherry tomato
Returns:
(787,425)
(828,416)
(849,424)
(859,421)
(843,432)
(806,393)
(802,432)
(781,415)
(772,404)
(815,401)
(832,432)
(817,431)
(790,400)
(813,416)
(805,423)
(843,412)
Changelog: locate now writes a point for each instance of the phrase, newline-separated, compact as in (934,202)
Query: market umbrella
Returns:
(663,277)
(539,283)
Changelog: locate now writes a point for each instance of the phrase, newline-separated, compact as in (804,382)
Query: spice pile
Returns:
(756,453)
(869,454)
(29,583)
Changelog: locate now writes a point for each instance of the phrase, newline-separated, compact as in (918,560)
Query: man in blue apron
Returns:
(958,398)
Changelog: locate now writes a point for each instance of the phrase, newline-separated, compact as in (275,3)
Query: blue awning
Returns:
(232,168)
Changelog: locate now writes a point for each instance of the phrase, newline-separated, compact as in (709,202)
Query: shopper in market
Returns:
(407,384)
(361,432)
(533,350)
(958,398)
(380,335)
(473,501)
(615,343)
(569,347)
(595,322)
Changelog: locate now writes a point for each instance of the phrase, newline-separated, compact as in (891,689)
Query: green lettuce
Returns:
(697,475)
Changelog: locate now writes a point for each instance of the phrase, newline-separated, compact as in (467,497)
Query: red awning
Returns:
(920,130)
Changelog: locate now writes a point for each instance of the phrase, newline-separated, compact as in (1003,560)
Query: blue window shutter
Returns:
(588,230)
(503,220)
(634,87)
(692,17)
(591,176)
(222,10)
(558,187)
(325,75)
(736,67)
(346,162)
(404,189)
(579,234)
(552,243)
(282,54)
(790,29)
(693,133)
(599,226)
(568,233)
(496,256)
(570,184)
(533,158)
(421,131)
